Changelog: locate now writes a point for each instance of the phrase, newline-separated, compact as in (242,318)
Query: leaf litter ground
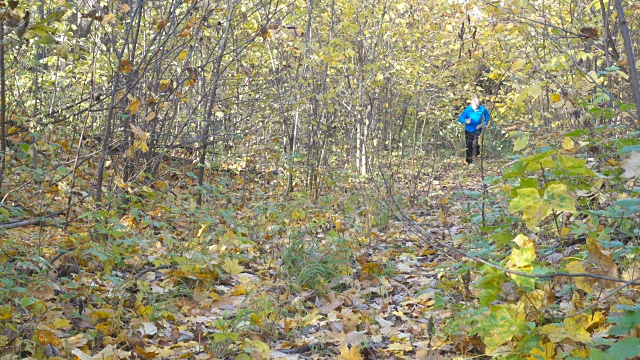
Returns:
(251,277)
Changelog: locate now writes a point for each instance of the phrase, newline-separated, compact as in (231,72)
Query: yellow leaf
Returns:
(109,18)
(13,130)
(232,266)
(352,353)
(521,97)
(535,90)
(238,290)
(61,323)
(134,106)
(128,221)
(545,351)
(400,347)
(151,116)
(183,54)
(47,337)
(165,84)
(144,310)
(203,229)
(149,352)
(259,350)
(137,145)
(124,8)
(311,318)
(141,140)
(577,267)
(520,143)
(518,64)
(568,143)
(6,312)
(522,258)
(555,97)
(573,328)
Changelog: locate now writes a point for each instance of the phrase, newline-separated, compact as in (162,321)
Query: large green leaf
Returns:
(503,323)
(626,322)
(533,208)
(574,166)
(558,198)
(628,348)
(516,170)
(490,285)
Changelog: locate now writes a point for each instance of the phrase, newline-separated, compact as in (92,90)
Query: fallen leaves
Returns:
(350,353)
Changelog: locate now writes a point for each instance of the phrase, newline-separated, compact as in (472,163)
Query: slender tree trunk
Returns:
(212,100)
(628,46)
(292,148)
(3,106)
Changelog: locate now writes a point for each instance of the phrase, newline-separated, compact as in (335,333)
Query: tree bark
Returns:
(3,105)
(628,46)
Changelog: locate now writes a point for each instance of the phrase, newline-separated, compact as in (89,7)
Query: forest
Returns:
(287,179)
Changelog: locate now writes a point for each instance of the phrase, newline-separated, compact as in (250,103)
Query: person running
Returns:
(472,117)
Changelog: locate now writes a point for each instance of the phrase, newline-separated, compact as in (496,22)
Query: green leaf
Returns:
(526,197)
(502,237)
(627,348)
(45,40)
(558,199)
(516,170)
(574,165)
(596,354)
(220,337)
(490,285)
(626,322)
(27,301)
(42,30)
(533,207)
(526,183)
(576,133)
(632,204)
(539,164)
(520,143)
(540,156)
(503,323)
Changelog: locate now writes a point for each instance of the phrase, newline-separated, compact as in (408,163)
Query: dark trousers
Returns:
(473,148)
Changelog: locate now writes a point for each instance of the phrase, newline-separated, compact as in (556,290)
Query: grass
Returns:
(310,265)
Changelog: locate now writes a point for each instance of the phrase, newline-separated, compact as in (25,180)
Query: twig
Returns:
(304,349)
(65,251)
(41,220)
(149,269)
(615,291)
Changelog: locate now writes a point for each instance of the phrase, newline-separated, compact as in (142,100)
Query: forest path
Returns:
(405,287)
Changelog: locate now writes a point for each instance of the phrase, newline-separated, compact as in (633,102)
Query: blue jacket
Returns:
(475,116)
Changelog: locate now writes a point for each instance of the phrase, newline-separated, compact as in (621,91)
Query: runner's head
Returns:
(475,102)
